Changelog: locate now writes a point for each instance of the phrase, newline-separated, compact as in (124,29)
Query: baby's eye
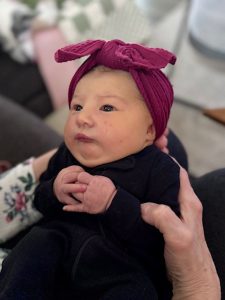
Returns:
(107,107)
(77,107)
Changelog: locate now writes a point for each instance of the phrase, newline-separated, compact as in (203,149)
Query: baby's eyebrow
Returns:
(111,96)
(76,96)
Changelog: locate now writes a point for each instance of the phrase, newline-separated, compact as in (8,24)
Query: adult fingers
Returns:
(166,132)
(190,205)
(162,217)
(161,142)
(177,235)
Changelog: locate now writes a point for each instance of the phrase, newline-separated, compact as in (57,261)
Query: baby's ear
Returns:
(151,134)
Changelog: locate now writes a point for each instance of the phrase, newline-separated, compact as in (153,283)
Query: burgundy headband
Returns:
(141,62)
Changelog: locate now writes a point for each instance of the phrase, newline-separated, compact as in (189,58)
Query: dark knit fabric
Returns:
(210,189)
(99,253)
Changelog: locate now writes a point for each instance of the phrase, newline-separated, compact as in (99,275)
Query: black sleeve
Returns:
(124,225)
(45,200)
(123,218)
(166,182)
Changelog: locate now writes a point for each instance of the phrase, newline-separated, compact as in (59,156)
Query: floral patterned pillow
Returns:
(16,200)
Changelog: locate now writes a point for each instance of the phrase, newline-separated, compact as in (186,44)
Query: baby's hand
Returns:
(64,185)
(96,197)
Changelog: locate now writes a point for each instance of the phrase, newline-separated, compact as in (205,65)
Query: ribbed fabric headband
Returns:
(143,63)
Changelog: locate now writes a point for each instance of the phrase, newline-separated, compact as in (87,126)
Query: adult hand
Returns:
(162,141)
(188,260)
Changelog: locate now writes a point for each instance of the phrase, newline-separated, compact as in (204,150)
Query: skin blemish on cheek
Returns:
(106,123)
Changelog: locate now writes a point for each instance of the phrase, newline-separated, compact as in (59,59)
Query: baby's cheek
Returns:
(108,125)
(107,130)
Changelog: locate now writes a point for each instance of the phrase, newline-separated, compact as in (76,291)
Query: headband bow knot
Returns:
(129,55)
(143,63)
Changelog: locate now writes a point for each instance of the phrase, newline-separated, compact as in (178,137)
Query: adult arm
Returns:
(189,262)
(210,189)
(16,196)
(45,200)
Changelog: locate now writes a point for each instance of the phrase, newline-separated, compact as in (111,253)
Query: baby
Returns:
(94,243)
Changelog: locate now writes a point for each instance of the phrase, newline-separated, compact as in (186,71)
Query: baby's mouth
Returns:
(80,137)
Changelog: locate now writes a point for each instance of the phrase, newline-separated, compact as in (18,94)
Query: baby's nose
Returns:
(85,117)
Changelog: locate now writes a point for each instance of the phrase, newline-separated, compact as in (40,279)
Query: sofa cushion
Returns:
(22,134)
(23,84)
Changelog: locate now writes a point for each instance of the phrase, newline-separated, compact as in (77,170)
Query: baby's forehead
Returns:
(101,68)
(107,70)
(105,81)
(115,79)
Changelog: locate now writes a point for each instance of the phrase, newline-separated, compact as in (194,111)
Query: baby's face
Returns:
(108,118)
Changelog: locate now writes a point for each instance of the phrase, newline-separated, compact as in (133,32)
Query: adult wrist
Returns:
(201,284)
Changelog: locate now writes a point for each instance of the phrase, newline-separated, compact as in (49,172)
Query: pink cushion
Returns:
(56,76)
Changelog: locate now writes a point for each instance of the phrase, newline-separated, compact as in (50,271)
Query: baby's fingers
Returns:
(68,199)
(70,177)
(74,188)
(76,207)
(84,177)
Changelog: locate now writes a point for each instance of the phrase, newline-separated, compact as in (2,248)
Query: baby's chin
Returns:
(92,163)
(89,161)
(90,158)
